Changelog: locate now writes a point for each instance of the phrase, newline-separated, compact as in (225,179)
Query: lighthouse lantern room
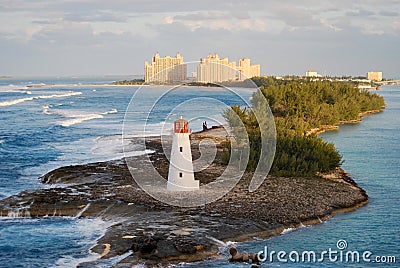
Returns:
(181,175)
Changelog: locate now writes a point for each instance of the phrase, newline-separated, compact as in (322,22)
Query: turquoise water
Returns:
(78,124)
(46,123)
(33,141)
(48,242)
(371,153)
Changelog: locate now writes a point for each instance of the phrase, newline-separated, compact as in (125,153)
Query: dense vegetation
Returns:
(130,82)
(201,84)
(299,106)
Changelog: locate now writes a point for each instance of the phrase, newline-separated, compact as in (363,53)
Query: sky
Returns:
(103,37)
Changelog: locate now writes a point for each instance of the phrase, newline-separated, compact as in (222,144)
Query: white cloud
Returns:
(99,16)
(217,21)
(236,28)
(330,25)
(168,20)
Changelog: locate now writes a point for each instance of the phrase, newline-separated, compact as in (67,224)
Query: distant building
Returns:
(374,76)
(312,74)
(165,70)
(246,70)
(215,69)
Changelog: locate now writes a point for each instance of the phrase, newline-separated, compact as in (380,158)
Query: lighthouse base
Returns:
(188,186)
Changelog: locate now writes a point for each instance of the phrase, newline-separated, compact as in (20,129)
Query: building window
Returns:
(181,149)
(180,174)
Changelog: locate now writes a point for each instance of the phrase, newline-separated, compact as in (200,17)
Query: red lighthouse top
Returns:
(181,126)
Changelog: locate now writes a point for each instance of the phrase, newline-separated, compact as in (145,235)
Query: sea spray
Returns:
(16,101)
(76,117)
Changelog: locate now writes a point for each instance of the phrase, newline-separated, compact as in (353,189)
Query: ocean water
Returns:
(46,123)
(371,154)
(67,121)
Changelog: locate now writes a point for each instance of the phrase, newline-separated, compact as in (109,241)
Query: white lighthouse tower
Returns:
(180,175)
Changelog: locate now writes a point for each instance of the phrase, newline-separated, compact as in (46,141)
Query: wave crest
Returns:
(16,101)
(75,117)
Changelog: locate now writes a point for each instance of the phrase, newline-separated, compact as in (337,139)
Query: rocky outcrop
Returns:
(150,232)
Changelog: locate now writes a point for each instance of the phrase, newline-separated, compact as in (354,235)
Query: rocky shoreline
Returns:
(148,232)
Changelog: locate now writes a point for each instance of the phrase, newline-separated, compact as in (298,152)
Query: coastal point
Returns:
(210,134)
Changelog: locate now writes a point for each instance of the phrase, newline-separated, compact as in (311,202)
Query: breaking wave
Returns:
(85,117)
(75,117)
(16,101)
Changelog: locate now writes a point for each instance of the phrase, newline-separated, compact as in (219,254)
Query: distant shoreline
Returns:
(324,128)
(79,85)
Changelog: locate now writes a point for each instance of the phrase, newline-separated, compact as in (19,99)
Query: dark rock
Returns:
(150,228)
(145,245)
(166,248)
(254,258)
(185,246)
(148,246)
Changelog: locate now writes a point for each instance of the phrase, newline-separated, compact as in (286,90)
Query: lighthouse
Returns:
(180,175)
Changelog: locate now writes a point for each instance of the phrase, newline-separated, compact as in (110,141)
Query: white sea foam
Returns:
(12,102)
(13,214)
(288,230)
(80,117)
(46,109)
(106,145)
(150,129)
(70,261)
(16,101)
(113,111)
(13,88)
(88,150)
(219,242)
(91,230)
(116,148)
(18,220)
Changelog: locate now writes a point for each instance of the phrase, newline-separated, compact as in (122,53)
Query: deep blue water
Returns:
(47,123)
(53,126)
(371,153)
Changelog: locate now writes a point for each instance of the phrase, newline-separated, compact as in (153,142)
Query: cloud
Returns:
(201,16)
(360,13)
(102,16)
(56,35)
(293,16)
(240,14)
(330,25)
(234,15)
(389,13)
(41,22)
(64,32)
(168,20)
(217,20)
